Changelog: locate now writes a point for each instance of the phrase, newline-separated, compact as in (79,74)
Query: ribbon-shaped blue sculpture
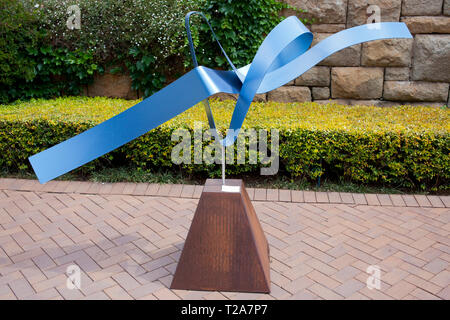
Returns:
(282,57)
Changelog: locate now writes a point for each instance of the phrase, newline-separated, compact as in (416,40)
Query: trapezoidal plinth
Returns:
(225,249)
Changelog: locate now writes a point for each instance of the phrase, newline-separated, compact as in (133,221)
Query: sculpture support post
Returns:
(223,164)
(225,249)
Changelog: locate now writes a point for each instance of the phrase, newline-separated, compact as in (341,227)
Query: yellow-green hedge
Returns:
(405,146)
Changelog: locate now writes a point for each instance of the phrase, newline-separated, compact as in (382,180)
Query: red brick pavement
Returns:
(126,238)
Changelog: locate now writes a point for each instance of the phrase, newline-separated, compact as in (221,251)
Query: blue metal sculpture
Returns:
(282,57)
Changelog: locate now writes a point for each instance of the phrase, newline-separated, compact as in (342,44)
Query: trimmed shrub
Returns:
(400,146)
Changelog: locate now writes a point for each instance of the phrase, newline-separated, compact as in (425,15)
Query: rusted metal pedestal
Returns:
(225,249)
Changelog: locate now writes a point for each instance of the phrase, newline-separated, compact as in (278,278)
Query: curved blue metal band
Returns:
(282,57)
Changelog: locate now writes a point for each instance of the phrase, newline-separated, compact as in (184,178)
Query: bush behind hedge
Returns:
(140,38)
(399,146)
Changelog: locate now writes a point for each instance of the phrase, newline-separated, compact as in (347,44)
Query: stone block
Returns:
(399,74)
(415,91)
(323,11)
(357,11)
(319,93)
(421,7)
(316,76)
(357,83)
(431,60)
(348,57)
(387,53)
(290,94)
(112,86)
(327,28)
(427,24)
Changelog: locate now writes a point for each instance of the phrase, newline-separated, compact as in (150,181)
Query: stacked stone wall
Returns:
(384,72)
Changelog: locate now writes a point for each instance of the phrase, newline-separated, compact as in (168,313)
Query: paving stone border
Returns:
(194,192)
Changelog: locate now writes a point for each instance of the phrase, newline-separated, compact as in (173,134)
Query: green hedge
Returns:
(399,146)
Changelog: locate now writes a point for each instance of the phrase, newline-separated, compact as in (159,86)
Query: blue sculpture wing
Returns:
(282,57)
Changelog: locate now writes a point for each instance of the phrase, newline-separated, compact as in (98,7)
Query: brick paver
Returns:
(127,238)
